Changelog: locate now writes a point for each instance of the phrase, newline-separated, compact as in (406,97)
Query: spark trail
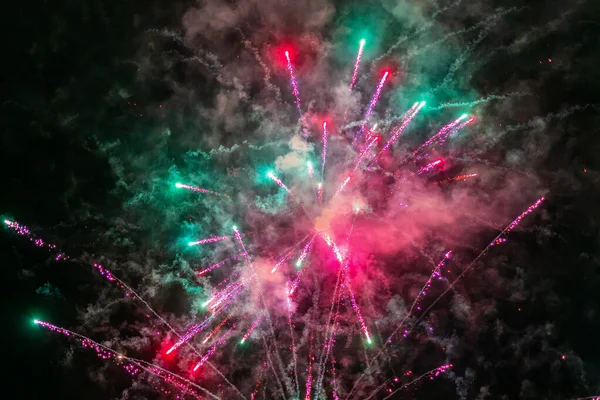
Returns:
(357,64)
(200,190)
(450,287)
(372,105)
(410,114)
(295,90)
(324,151)
(279,183)
(105,352)
(252,327)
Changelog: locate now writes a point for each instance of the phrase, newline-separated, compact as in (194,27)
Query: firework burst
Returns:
(308,282)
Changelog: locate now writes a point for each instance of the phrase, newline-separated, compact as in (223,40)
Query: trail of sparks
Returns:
(450,286)
(129,292)
(211,351)
(441,133)
(364,152)
(295,90)
(320,192)
(429,374)
(372,105)
(104,352)
(455,178)
(305,252)
(341,188)
(238,237)
(410,114)
(280,183)
(215,266)
(516,222)
(324,152)
(191,332)
(216,329)
(356,308)
(310,368)
(22,230)
(428,167)
(357,64)
(252,328)
(291,325)
(200,190)
(213,239)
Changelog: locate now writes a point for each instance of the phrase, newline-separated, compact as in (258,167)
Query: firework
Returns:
(248,294)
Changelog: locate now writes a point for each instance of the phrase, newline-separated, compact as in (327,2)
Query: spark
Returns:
(324,151)
(252,327)
(295,90)
(372,105)
(279,183)
(357,63)
(200,190)
(213,239)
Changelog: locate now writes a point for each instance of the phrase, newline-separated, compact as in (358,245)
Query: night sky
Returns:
(106,106)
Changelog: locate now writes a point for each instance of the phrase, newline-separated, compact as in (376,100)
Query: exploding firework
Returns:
(301,298)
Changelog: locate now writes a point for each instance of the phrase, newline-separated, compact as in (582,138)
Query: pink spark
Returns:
(372,105)
(357,64)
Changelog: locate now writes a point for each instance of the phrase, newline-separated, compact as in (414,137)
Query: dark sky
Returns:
(106,105)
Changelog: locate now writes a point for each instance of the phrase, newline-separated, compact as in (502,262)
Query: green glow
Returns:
(464,116)
(178,185)
(35,321)
(298,263)
(309,164)
(362,42)
(422,104)
(234,227)
(270,174)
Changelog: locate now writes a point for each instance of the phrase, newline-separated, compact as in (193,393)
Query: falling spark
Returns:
(357,63)
(516,222)
(310,169)
(324,152)
(211,351)
(209,240)
(279,183)
(320,192)
(429,167)
(191,332)
(252,327)
(200,190)
(372,105)
(214,266)
(22,230)
(441,133)
(295,90)
(341,187)
(456,178)
(410,114)
(132,365)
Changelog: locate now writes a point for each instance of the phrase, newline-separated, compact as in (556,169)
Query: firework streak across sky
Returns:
(317,264)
